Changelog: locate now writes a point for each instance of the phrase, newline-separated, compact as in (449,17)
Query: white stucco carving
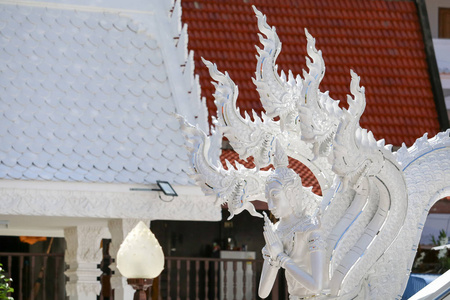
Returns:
(358,240)
(83,255)
(91,202)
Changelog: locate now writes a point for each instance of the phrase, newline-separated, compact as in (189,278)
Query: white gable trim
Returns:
(172,60)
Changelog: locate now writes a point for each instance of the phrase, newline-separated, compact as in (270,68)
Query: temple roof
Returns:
(87,96)
(380,40)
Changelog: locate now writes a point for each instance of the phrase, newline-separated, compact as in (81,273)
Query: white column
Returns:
(119,228)
(83,255)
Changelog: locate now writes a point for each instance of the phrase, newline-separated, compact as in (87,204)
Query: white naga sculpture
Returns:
(359,239)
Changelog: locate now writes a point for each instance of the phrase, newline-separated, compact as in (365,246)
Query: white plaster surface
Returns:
(442,50)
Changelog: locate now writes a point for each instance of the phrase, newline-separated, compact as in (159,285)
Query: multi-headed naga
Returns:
(356,241)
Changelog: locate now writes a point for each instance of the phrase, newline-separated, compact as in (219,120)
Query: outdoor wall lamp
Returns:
(140,258)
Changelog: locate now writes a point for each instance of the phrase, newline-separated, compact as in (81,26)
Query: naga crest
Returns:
(373,199)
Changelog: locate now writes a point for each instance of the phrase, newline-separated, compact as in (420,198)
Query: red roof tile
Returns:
(308,178)
(380,40)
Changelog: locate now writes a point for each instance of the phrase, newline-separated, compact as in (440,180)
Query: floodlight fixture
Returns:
(164,186)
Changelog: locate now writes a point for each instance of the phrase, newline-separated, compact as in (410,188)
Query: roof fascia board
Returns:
(48,226)
(432,65)
(36,231)
(172,61)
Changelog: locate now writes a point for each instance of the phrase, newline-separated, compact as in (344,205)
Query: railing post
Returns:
(197,281)
(216,280)
(234,279)
(57,262)
(188,271)
(254,278)
(44,272)
(169,267)
(207,279)
(178,279)
(21,277)
(9,265)
(244,280)
(225,267)
(32,265)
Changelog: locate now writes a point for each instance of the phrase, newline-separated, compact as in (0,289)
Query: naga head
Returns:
(366,157)
(319,114)
(297,102)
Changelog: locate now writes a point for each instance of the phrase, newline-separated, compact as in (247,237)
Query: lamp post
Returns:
(140,258)
(140,285)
